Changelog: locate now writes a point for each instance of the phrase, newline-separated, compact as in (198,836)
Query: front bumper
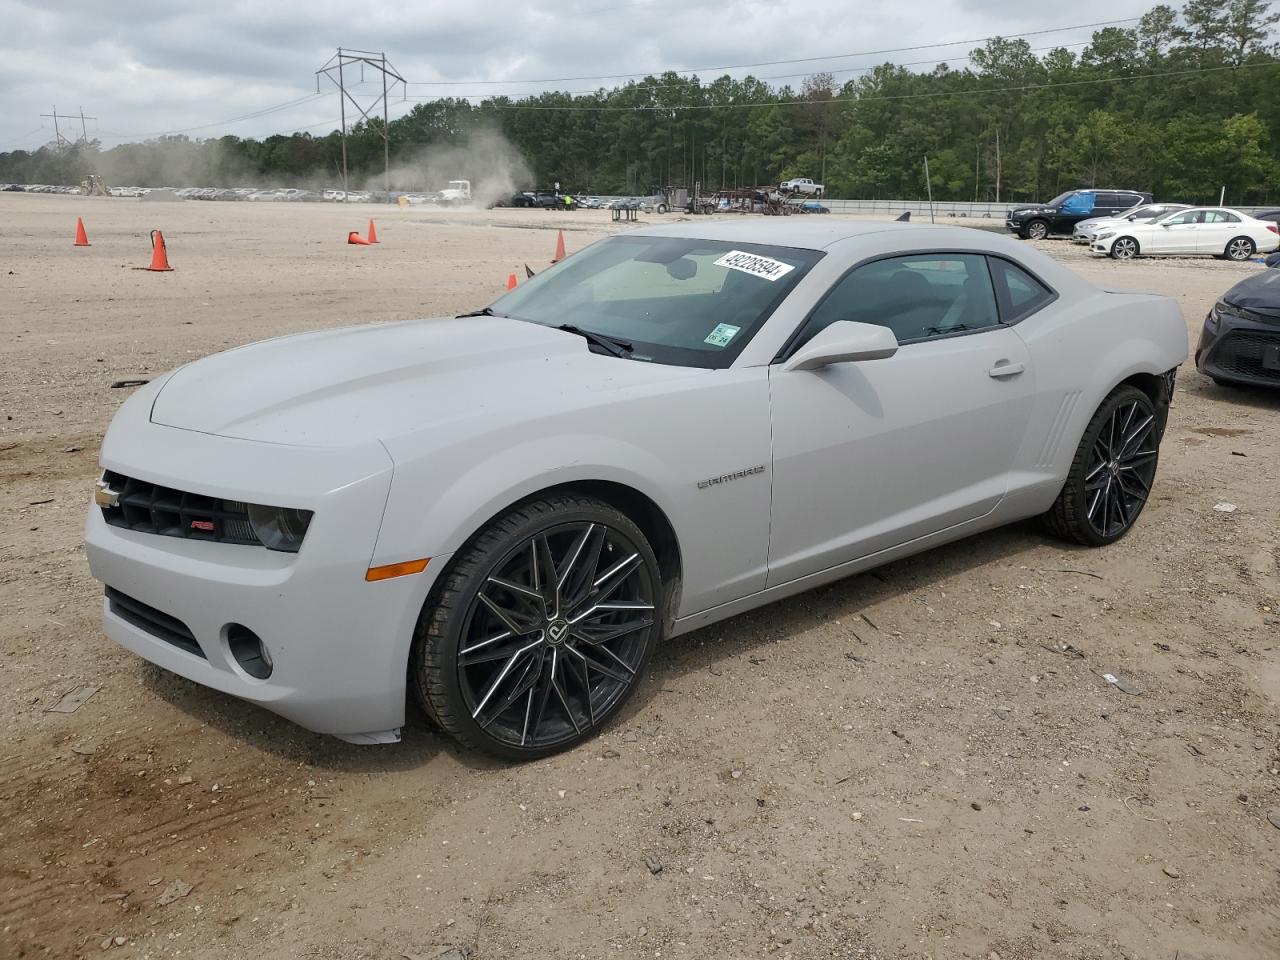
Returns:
(1240,351)
(338,644)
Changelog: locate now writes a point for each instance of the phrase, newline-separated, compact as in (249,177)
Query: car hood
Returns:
(1023,210)
(1259,293)
(349,386)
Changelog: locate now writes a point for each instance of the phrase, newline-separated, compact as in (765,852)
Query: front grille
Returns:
(151,508)
(1241,353)
(158,624)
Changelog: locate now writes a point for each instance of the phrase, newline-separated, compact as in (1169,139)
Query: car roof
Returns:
(800,232)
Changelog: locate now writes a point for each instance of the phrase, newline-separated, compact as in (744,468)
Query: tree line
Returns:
(1183,104)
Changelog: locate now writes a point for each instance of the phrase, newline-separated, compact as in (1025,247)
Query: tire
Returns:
(567,666)
(1110,476)
(1240,249)
(662,208)
(1125,248)
(1036,230)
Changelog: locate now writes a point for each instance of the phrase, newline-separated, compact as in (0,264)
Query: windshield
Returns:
(1154,211)
(674,300)
(1060,199)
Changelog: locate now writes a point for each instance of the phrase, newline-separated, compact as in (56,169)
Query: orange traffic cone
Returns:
(159,255)
(559,247)
(354,237)
(82,238)
(373,234)
(511,281)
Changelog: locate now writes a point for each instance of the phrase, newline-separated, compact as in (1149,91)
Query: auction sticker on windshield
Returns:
(721,335)
(754,264)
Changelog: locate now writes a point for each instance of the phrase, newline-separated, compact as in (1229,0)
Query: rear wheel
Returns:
(662,208)
(1036,230)
(1240,249)
(1112,472)
(542,629)
(1125,248)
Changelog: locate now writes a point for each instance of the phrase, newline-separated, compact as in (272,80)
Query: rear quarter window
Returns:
(1019,293)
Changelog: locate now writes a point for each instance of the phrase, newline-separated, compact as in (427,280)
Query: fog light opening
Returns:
(249,651)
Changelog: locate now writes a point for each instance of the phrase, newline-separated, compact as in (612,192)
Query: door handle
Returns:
(1005,369)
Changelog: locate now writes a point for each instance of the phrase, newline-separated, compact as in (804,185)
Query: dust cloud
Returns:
(488,159)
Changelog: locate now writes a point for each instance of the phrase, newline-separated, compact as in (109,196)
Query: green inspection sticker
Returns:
(721,335)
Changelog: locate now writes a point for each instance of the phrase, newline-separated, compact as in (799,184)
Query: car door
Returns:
(1177,234)
(1111,204)
(1220,227)
(872,454)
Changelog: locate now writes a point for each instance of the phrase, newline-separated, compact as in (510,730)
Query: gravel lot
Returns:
(903,765)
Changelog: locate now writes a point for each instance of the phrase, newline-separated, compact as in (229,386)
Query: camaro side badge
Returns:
(725,478)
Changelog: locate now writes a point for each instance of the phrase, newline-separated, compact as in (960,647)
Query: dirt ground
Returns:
(902,765)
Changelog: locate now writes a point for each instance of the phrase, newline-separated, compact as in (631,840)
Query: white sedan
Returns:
(1085,229)
(1211,231)
(502,513)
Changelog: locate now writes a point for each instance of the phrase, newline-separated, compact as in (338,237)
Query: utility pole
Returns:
(997,164)
(390,76)
(929,184)
(63,142)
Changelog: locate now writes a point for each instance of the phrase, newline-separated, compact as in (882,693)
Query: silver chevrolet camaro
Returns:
(504,512)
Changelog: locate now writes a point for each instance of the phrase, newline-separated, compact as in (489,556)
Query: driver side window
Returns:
(917,297)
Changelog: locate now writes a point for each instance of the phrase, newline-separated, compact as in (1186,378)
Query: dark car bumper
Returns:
(1240,350)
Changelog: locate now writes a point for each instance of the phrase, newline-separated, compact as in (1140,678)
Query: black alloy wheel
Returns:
(543,628)
(1112,472)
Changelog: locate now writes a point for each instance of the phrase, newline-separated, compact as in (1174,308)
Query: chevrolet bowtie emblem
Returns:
(104,496)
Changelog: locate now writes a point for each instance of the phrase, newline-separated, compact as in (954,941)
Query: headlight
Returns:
(1220,310)
(279,528)
(1105,236)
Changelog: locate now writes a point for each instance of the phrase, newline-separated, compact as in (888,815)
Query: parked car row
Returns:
(1085,229)
(1061,214)
(1205,231)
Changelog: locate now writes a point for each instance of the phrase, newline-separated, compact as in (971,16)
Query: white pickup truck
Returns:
(801,185)
(456,193)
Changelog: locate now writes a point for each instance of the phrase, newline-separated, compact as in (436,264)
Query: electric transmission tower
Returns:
(338,69)
(63,142)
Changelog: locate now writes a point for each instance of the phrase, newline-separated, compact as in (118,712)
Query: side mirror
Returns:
(1166,224)
(844,342)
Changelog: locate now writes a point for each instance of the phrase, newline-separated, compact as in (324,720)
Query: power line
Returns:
(265,111)
(775,63)
(659,84)
(904,96)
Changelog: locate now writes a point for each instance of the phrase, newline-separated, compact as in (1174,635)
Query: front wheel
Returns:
(1125,248)
(662,208)
(1240,249)
(1112,472)
(1036,230)
(542,629)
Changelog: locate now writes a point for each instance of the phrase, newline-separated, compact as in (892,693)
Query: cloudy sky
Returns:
(146,67)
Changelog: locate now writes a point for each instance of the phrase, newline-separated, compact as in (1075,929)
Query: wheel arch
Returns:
(1253,245)
(1137,244)
(636,505)
(1159,390)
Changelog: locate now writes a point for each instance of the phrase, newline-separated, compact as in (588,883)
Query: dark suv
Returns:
(1063,212)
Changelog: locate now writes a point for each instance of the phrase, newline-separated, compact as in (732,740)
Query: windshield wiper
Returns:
(611,345)
(482,312)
